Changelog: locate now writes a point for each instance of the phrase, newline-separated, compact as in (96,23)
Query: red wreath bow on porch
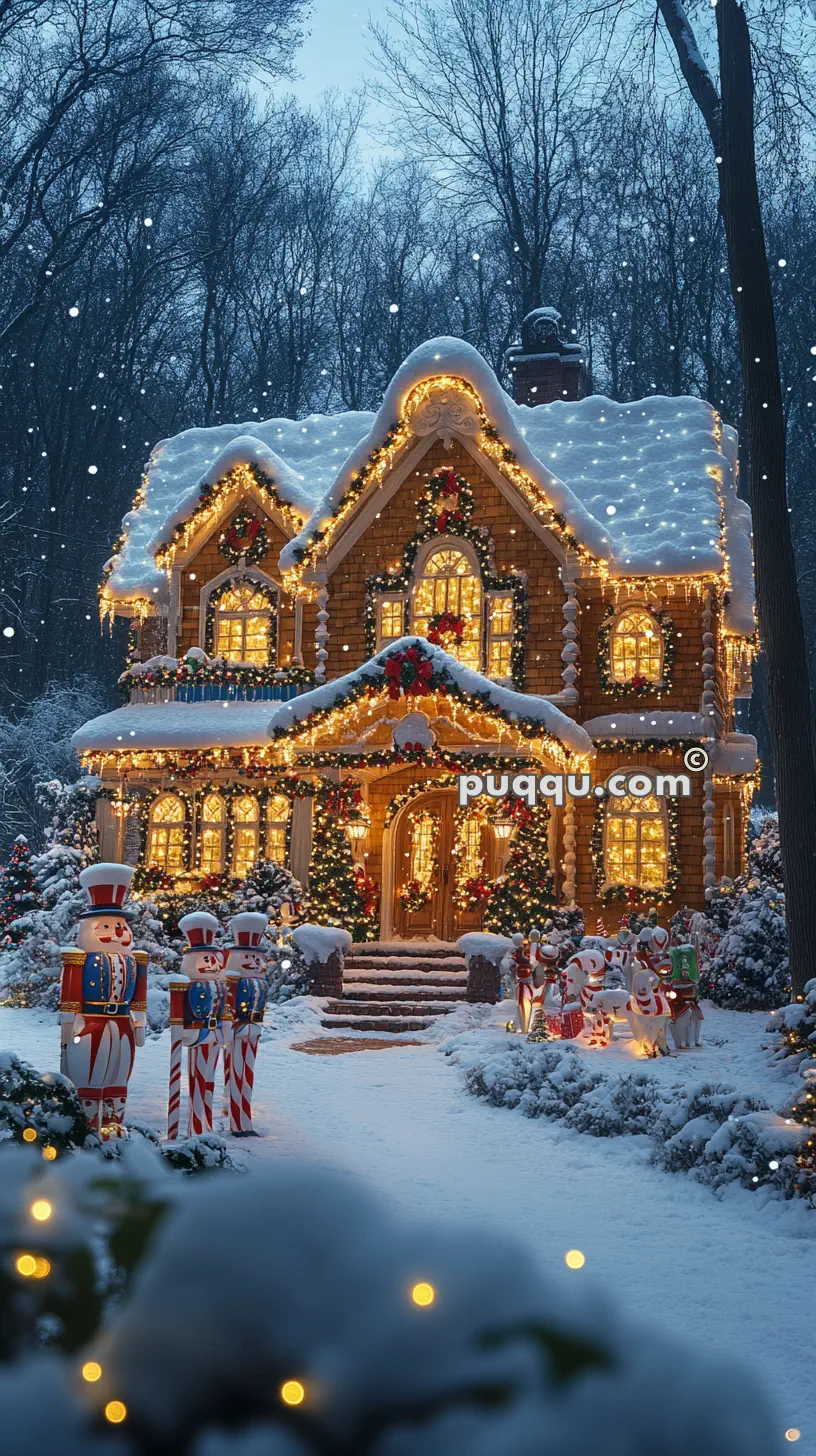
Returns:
(408,672)
(445,624)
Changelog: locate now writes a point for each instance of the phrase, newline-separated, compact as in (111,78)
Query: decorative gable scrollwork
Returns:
(445,411)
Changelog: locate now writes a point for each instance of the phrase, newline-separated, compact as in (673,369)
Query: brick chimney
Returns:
(542,366)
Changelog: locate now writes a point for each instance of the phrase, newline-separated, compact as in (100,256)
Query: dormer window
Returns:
(636,647)
(243,625)
(449,588)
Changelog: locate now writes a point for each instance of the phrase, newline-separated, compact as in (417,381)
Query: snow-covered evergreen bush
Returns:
(18,895)
(267,887)
(45,1104)
(30,970)
(712,1132)
(495,1364)
(749,971)
(795,1026)
(287,974)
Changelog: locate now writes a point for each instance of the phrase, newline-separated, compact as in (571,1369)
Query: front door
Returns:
(437,850)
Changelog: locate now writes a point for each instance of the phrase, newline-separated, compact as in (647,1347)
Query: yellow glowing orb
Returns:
(29,1134)
(49,1153)
(26,1265)
(91,1371)
(423,1294)
(41,1210)
(574,1259)
(42,1268)
(115,1412)
(792,1434)
(292,1392)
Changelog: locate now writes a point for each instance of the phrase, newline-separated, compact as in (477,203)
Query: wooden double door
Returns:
(437,848)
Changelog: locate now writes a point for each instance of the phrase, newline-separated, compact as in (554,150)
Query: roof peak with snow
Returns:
(643,485)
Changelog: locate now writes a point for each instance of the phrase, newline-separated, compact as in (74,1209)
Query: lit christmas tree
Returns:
(750,969)
(267,887)
(523,897)
(340,892)
(17,892)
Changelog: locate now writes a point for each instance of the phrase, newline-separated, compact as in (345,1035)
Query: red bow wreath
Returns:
(445,624)
(408,672)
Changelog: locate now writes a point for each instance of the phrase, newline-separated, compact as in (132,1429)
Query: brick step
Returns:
(385,1008)
(403,963)
(405,948)
(380,1024)
(373,991)
(393,978)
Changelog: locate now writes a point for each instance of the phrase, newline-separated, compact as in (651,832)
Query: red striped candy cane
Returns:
(236,1081)
(174,1103)
(225,1101)
(203,1060)
(250,1053)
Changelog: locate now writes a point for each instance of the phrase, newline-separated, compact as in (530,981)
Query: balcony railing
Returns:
(219,692)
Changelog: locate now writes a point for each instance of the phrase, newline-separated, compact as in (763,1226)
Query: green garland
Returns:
(192,672)
(608,894)
(643,689)
(265,484)
(353,491)
(430,507)
(440,680)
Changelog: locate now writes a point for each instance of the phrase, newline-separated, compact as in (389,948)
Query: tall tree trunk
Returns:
(729,117)
(779,609)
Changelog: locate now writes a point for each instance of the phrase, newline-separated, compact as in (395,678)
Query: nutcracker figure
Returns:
(246,972)
(200,1019)
(103,1000)
(545,1014)
(522,982)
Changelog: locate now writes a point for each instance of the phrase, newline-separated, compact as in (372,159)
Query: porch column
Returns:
(109,828)
(321,635)
(297,655)
(568,862)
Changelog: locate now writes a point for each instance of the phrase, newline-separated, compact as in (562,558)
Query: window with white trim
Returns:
(500,635)
(636,842)
(211,832)
(390,620)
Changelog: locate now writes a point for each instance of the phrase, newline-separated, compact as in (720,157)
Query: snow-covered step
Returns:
(380,1024)
(373,991)
(425,948)
(427,965)
(393,978)
(385,1008)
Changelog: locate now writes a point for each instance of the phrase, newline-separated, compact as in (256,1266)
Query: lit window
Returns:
(277,819)
(165,839)
(635,849)
(391,620)
(499,635)
(245,834)
(424,833)
(469,848)
(637,647)
(448,584)
(243,618)
(211,835)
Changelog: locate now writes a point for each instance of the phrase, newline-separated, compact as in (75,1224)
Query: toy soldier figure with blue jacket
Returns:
(103,1000)
(246,970)
(200,1019)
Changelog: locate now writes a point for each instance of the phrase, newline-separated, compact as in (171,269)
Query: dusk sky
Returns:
(334,53)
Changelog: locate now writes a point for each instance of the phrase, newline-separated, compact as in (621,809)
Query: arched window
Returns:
(448,583)
(245,834)
(165,836)
(636,848)
(636,647)
(212,827)
(468,848)
(277,819)
(243,624)
(424,837)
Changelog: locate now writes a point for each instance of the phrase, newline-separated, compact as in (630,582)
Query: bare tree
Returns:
(729,117)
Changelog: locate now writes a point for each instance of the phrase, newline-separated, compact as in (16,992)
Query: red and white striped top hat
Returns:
(247,928)
(106,886)
(200,929)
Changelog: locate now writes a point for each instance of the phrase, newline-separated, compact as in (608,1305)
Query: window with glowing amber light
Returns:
(165,835)
(636,647)
(245,834)
(390,620)
(211,831)
(499,635)
(469,848)
(449,583)
(424,834)
(243,625)
(636,843)
(277,820)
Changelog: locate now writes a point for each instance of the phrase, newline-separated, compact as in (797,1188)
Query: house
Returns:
(565,583)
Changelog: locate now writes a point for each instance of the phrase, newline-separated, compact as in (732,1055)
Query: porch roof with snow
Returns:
(648,487)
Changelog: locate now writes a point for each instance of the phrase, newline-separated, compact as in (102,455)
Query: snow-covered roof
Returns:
(636,482)
(654,723)
(505,701)
(175,725)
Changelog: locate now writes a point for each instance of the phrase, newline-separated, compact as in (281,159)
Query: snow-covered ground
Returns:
(731,1274)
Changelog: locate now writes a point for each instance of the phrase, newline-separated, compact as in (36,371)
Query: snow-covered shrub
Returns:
(287,975)
(46,1104)
(267,887)
(795,1027)
(749,971)
(724,1137)
(621,1105)
(201,1343)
